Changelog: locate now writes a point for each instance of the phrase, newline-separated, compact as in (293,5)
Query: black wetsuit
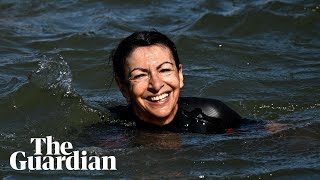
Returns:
(199,115)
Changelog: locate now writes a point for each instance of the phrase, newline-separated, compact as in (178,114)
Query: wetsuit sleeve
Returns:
(212,115)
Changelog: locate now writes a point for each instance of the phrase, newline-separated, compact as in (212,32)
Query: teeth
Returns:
(159,98)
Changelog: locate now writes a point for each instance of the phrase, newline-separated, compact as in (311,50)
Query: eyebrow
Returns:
(146,70)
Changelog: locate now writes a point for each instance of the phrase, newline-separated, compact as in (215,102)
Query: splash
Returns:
(54,74)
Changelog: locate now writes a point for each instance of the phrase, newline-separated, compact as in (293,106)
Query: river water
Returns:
(260,57)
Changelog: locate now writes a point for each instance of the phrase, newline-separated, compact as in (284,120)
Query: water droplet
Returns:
(199,116)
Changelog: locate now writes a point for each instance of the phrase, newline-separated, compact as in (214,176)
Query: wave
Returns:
(259,17)
(54,75)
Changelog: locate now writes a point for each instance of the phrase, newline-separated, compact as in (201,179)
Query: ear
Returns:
(123,88)
(180,75)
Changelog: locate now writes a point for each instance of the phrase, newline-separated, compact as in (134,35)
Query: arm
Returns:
(212,116)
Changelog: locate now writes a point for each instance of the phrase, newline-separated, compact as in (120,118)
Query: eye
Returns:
(165,70)
(139,76)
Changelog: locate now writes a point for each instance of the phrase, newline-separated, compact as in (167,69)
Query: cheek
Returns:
(137,90)
(173,81)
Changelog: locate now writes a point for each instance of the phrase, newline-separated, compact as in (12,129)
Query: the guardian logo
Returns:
(59,157)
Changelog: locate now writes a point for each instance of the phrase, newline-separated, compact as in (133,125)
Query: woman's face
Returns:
(154,83)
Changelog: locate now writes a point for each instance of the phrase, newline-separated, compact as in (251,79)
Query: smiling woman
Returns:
(149,74)
(153,85)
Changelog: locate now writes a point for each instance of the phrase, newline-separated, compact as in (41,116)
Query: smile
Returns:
(159,98)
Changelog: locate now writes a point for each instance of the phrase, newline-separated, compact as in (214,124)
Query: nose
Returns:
(155,83)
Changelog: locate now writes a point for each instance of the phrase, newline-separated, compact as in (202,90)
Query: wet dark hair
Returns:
(135,40)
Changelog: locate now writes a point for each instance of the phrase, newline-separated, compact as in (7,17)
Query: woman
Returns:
(149,74)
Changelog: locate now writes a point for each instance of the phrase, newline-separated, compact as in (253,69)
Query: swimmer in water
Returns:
(149,75)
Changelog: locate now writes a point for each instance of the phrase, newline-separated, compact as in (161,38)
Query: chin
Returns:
(156,111)
(163,114)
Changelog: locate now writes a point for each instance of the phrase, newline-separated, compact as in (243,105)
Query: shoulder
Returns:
(210,107)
